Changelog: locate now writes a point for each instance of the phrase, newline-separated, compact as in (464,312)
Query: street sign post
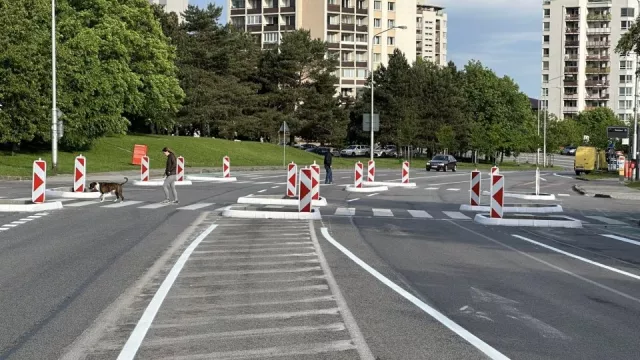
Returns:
(284,129)
(617,132)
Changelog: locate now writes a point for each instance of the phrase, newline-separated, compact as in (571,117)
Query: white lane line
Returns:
(564,194)
(34,216)
(345,212)
(431,188)
(132,345)
(456,182)
(18,222)
(374,194)
(122,204)
(153,206)
(3,229)
(356,199)
(83,203)
(261,191)
(563,176)
(10,225)
(620,238)
(456,215)
(441,318)
(26,219)
(453,189)
(420,214)
(275,187)
(195,206)
(382,212)
(264,183)
(42,214)
(622,272)
(607,220)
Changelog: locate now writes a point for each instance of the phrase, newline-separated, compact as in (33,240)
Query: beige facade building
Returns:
(431,33)
(580,69)
(176,6)
(348,26)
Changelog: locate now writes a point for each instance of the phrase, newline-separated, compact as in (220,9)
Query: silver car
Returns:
(355,150)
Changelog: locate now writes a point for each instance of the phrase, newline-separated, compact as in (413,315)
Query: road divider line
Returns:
(610,268)
(374,194)
(441,318)
(620,238)
(138,334)
(351,200)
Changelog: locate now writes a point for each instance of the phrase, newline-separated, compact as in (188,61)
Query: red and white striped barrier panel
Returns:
(226,167)
(80,174)
(39,181)
(495,170)
(144,168)
(371,171)
(405,172)
(358,175)
(315,181)
(180,169)
(475,188)
(292,181)
(305,190)
(497,196)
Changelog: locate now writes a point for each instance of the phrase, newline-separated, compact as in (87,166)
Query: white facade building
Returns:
(431,33)
(176,6)
(580,69)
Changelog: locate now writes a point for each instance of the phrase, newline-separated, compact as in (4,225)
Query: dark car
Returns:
(443,162)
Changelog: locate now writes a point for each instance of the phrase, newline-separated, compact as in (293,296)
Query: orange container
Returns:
(138,152)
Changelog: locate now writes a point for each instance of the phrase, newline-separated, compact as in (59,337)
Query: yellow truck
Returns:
(588,159)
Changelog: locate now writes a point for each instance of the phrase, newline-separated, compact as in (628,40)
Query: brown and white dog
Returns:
(108,187)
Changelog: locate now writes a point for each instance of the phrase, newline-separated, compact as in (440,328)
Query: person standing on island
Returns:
(170,176)
(327,167)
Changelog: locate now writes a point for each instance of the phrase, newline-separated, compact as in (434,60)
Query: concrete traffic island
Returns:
(210,178)
(526,196)
(68,193)
(369,189)
(544,221)
(159,182)
(517,208)
(8,205)
(277,200)
(269,212)
(388,184)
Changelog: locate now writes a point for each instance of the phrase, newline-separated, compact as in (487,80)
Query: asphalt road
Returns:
(79,279)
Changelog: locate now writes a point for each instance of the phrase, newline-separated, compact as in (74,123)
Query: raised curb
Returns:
(159,183)
(264,200)
(68,194)
(211,178)
(388,184)
(46,206)
(371,189)
(568,223)
(515,209)
(525,196)
(255,214)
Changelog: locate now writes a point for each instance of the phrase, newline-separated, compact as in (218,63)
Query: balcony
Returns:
(597,97)
(572,17)
(288,9)
(570,109)
(574,30)
(571,69)
(598,44)
(271,10)
(237,11)
(289,27)
(572,43)
(333,8)
(570,82)
(597,57)
(362,11)
(271,27)
(598,31)
(362,28)
(254,11)
(570,96)
(597,70)
(598,3)
(333,27)
(571,56)
(349,10)
(348,27)
(596,83)
(598,17)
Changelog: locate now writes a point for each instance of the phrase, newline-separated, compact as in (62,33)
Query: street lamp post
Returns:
(54,112)
(372,81)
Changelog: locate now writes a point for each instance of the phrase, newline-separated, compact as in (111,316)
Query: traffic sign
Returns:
(366,122)
(617,132)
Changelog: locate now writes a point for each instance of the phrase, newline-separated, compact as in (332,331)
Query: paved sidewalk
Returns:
(618,191)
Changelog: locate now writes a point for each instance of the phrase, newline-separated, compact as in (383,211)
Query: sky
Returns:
(505,35)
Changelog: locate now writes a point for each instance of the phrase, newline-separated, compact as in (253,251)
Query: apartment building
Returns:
(348,26)
(580,69)
(431,33)
(176,6)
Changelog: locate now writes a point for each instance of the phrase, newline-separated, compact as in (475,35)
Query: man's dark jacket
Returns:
(327,159)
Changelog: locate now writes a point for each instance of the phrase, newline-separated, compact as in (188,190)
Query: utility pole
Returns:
(54,110)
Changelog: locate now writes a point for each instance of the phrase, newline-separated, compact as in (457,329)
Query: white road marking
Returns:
(123,204)
(261,191)
(622,272)
(195,206)
(563,176)
(374,194)
(459,330)
(83,203)
(564,195)
(432,188)
(453,189)
(153,206)
(34,216)
(223,208)
(18,222)
(345,212)
(456,215)
(10,225)
(26,219)
(356,199)
(264,183)
(274,207)
(132,345)
(420,214)
(42,214)
(382,212)
(456,182)
(275,187)
(620,238)
(607,220)
(4,228)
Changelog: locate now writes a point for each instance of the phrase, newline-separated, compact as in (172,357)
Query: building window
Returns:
(270,38)
(377,23)
(626,65)
(545,92)
(347,56)
(624,117)
(377,5)
(545,65)
(625,24)
(391,6)
(332,38)
(545,39)
(347,19)
(376,40)
(545,52)
(626,79)
(347,4)
(290,20)
(361,57)
(627,12)
(254,19)
(545,78)
(347,37)
(547,13)
(391,23)
(348,73)
(391,40)
(334,20)
(377,57)
(237,4)
(625,91)
(625,104)
(362,73)
(360,21)
(361,38)
(546,26)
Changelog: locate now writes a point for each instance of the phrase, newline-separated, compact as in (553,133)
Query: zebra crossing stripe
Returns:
(382,212)
(153,206)
(122,204)
(83,203)
(420,214)
(195,206)
(456,215)
(345,212)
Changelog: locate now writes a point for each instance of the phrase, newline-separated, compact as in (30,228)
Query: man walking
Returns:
(170,176)
(327,167)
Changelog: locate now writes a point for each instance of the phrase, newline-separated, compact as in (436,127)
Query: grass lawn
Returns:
(114,154)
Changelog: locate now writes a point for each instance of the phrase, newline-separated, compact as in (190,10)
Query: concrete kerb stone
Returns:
(552,222)
(517,208)
(246,212)
(28,206)
(622,195)
(159,183)
(525,196)
(389,184)
(277,200)
(369,189)
(67,193)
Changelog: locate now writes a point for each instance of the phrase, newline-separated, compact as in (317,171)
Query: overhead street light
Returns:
(403,27)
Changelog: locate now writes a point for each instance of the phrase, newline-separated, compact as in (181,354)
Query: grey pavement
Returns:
(78,280)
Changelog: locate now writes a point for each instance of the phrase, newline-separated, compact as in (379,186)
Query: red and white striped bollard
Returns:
(495,170)
(358,175)
(180,168)
(226,167)
(497,196)
(304,203)
(80,174)
(39,181)
(144,168)
(475,188)
(405,172)
(371,171)
(315,181)
(292,182)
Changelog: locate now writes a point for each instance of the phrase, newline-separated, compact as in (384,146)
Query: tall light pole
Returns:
(372,81)
(636,175)
(54,112)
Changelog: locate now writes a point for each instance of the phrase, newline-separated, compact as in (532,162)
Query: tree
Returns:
(446,137)
(594,123)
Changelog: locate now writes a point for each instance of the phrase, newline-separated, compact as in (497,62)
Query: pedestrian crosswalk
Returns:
(70,203)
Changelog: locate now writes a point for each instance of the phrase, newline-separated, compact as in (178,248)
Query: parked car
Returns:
(307,147)
(355,150)
(568,150)
(442,162)
(321,150)
(387,151)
